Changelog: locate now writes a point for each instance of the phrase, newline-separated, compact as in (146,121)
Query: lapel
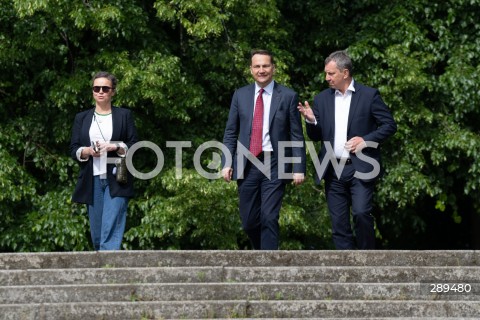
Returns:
(275,102)
(250,103)
(87,122)
(330,116)
(353,107)
(116,120)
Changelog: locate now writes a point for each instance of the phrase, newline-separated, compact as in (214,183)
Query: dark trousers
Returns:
(343,194)
(260,200)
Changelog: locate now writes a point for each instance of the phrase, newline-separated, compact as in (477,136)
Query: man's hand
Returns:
(306,111)
(227,173)
(354,145)
(298,179)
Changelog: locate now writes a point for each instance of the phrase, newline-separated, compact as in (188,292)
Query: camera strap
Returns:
(95,118)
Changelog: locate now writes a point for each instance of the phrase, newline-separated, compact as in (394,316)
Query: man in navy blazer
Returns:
(261,178)
(351,120)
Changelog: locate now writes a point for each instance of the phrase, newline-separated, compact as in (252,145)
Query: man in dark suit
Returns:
(351,120)
(263,120)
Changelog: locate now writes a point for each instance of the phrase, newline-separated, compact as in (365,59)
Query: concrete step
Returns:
(118,259)
(238,284)
(238,274)
(227,291)
(300,309)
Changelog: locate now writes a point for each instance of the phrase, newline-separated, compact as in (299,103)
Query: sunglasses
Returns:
(105,89)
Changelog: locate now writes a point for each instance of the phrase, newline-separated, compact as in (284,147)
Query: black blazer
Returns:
(369,118)
(285,124)
(123,130)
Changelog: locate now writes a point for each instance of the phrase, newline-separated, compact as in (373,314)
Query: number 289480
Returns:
(450,287)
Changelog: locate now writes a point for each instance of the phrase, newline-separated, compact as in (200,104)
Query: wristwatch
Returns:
(118,147)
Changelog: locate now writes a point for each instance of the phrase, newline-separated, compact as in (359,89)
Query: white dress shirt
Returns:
(342,109)
(267,101)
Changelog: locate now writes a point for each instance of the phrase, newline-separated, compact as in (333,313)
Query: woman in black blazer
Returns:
(99,135)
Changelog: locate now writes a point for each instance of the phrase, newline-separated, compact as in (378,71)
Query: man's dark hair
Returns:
(342,60)
(264,52)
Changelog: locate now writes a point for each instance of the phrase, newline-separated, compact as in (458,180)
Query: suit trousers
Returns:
(343,193)
(260,200)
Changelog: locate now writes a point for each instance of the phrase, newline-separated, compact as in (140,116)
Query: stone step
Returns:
(228,291)
(342,274)
(299,309)
(64,260)
(238,284)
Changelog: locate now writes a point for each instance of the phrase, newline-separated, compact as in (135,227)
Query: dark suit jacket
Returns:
(285,124)
(369,118)
(123,130)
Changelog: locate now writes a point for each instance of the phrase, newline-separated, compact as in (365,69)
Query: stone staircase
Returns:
(240,284)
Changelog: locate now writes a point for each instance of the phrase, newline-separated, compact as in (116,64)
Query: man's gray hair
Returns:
(342,60)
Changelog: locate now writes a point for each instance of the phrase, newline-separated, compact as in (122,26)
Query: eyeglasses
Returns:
(105,89)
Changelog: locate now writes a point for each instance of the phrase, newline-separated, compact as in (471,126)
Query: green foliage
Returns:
(55,224)
(304,219)
(427,75)
(193,213)
(178,63)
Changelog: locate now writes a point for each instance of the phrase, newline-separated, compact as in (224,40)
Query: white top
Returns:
(101,130)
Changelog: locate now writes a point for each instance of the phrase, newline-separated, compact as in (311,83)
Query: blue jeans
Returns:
(107,217)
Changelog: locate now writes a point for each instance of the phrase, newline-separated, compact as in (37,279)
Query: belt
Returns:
(347,161)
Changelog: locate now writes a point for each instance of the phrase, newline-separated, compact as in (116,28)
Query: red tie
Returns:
(256,138)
